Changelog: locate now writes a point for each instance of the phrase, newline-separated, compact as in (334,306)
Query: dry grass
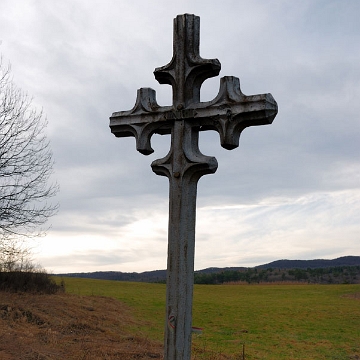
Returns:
(41,327)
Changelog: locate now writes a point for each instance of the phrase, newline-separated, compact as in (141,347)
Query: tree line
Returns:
(331,275)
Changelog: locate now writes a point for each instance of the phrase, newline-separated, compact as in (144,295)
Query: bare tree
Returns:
(25,165)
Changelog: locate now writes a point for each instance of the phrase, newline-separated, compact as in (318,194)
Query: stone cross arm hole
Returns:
(228,113)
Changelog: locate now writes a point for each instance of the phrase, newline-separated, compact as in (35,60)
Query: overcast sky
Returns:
(291,190)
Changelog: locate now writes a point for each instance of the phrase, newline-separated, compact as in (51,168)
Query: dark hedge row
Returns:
(33,282)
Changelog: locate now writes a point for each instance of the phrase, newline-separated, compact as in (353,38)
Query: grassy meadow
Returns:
(271,321)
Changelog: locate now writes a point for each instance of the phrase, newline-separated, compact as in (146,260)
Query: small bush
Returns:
(29,281)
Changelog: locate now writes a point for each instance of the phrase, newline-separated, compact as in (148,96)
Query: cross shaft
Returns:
(228,113)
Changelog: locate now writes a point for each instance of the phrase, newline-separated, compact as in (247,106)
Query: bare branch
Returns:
(26,165)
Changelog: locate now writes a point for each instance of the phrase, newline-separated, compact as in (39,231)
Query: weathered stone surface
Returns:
(228,113)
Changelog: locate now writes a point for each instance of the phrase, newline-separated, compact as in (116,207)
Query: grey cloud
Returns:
(82,62)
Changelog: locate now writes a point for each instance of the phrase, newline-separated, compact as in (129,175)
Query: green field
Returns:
(273,321)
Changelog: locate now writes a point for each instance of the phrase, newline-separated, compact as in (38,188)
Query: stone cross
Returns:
(228,113)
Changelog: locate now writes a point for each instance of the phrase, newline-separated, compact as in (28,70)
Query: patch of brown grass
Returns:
(353,296)
(63,326)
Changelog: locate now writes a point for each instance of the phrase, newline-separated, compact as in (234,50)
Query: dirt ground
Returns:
(66,327)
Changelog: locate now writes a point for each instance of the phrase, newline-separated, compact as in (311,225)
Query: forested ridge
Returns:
(343,270)
(331,275)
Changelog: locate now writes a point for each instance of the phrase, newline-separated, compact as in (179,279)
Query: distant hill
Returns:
(147,276)
(160,275)
(312,264)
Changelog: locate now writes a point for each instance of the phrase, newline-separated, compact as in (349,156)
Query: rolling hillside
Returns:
(337,266)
